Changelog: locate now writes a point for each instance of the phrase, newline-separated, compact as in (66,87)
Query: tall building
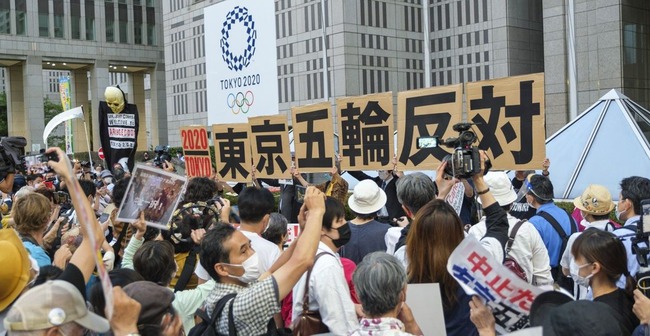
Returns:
(91,40)
(591,47)
(371,46)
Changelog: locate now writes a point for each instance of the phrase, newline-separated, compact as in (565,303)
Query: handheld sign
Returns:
(196,151)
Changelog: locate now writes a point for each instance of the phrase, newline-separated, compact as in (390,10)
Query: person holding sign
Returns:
(335,187)
(434,234)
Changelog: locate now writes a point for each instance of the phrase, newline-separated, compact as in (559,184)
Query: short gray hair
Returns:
(415,190)
(378,281)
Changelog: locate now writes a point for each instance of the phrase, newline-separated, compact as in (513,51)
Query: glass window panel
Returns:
(75,19)
(110,22)
(90,20)
(43,19)
(21,13)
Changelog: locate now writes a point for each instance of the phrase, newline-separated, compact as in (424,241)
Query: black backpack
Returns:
(208,326)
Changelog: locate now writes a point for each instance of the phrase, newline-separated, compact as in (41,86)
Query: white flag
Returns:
(76,112)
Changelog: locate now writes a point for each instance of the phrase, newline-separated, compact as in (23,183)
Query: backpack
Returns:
(509,261)
(563,281)
(206,214)
(208,325)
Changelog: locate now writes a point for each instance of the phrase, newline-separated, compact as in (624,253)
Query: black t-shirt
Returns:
(520,208)
(622,304)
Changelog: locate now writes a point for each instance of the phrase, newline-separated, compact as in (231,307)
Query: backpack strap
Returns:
(513,235)
(232,331)
(188,270)
(218,309)
(558,228)
(305,297)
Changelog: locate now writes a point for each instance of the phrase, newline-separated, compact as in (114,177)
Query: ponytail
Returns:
(630,284)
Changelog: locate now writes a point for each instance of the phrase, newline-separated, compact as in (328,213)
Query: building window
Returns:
(137,24)
(151,24)
(90,20)
(5,18)
(59,30)
(110,22)
(124,23)
(21,13)
(75,20)
(43,19)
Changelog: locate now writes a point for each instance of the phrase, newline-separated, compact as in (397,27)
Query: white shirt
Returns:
(581,292)
(328,294)
(528,250)
(267,251)
(490,244)
(391,238)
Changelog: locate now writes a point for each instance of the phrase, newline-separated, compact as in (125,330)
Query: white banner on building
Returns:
(241,61)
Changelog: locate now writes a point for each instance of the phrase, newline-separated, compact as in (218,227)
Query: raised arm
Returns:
(303,255)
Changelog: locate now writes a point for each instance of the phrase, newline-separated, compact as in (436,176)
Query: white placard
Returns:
(479,273)
(426,303)
(241,61)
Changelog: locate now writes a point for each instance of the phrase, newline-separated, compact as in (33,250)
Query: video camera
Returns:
(12,155)
(641,241)
(465,161)
(162,155)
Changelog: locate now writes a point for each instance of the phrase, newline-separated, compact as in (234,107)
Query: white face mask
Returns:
(251,269)
(574,269)
(619,213)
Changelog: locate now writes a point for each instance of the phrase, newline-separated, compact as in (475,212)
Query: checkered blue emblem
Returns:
(237,62)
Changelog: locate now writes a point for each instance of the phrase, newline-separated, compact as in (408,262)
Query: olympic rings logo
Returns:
(240,102)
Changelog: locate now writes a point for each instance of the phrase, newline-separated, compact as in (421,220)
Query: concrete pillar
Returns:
(79,92)
(33,98)
(136,90)
(159,128)
(15,101)
(99,80)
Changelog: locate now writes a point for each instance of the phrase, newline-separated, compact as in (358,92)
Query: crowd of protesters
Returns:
(222,269)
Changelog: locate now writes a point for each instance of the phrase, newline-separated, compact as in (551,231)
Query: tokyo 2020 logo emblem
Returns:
(240,102)
(237,62)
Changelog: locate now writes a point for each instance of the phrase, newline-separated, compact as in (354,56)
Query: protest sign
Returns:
(293,230)
(509,117)
(423,113)
(196,151)
(155,192)
(269,141)
(313,137)
(425,302)
(479,273)
(232,152)
(365,127)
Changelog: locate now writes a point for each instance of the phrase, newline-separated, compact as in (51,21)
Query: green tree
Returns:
(50,110)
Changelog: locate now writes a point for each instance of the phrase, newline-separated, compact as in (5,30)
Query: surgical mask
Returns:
(251,269)
(574,269)
(619,213)
(327,177)
(344,235)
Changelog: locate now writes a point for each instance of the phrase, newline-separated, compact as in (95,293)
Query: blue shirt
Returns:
(38,254)
(551,238)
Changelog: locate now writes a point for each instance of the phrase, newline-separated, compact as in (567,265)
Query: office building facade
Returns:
(92,40)
(371,46)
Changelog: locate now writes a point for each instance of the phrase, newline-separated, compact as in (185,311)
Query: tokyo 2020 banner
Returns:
(241,60)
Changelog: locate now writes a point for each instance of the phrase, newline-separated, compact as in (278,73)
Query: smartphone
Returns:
(427,142)
(645,215)
(300,194)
